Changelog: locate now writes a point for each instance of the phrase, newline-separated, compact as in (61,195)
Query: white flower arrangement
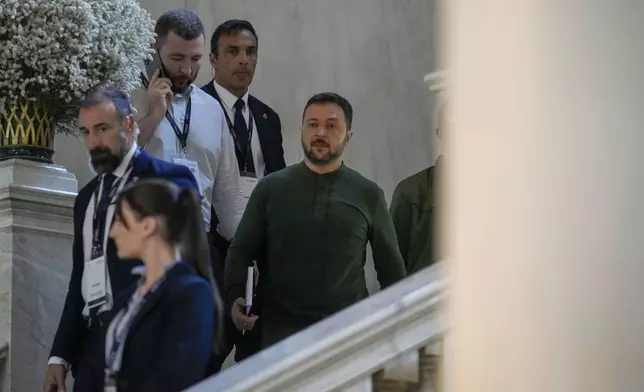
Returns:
(55,51)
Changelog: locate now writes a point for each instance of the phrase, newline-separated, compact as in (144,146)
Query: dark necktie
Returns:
(104,203)
(101,218)
(241,132)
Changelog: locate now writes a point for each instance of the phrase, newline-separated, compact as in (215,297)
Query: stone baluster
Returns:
(430,369)
(383,384)
(36,230)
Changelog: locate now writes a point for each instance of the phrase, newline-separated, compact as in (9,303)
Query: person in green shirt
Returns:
(308,227)
(414,208)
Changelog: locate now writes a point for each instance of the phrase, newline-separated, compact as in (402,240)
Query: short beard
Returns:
(184,89)
(104,160)
(329,157)
(175,90)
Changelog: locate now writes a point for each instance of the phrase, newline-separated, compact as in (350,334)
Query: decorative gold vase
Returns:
(27,132)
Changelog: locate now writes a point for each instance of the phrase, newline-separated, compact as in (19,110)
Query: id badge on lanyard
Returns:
(96,268)
(182,136)
(247,183)
(247,180)
(119,330)
(193,166)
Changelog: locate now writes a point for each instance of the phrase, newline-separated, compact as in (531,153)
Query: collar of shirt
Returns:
(181,100)
(122,167)
(140,269)
(182,96)
(330,175)
(227,98)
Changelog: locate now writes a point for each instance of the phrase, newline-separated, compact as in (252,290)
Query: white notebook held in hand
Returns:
(249,292)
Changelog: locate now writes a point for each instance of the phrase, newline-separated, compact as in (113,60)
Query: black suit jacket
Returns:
(72,328)
(269,130)
(171,339)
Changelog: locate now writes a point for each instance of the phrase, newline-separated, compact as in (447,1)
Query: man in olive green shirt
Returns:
(308,226)
(415,207)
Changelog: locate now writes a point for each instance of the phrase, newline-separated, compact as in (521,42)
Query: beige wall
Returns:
(373,52)
(547,290)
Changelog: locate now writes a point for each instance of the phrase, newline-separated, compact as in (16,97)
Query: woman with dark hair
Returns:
(163,330)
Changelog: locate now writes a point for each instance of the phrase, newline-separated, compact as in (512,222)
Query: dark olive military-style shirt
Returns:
(414,209)
(311,231)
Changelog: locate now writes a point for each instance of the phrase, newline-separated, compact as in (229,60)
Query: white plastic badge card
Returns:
(247,183)
(96,276)
(193,166)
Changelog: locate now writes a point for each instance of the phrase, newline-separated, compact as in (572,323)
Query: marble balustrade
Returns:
(343,351)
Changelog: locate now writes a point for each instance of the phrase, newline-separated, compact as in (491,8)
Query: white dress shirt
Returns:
(209,144)
(228,100)
(122,176)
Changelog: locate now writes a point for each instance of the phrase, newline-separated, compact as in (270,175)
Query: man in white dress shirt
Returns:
(257,132)
(180,123)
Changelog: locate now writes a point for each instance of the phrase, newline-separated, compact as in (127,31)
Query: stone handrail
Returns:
(345,350)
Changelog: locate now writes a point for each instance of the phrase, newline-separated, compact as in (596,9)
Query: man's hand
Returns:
(159,94)
(240,319)
(158,97)
(55,379)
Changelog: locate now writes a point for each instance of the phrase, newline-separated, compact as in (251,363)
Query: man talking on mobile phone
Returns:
(182,124)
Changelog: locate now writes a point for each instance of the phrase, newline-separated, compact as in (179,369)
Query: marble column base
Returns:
(36,230)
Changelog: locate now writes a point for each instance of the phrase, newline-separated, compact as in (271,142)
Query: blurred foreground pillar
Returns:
(547,189)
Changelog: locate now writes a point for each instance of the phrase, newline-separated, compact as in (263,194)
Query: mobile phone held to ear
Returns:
(152,65)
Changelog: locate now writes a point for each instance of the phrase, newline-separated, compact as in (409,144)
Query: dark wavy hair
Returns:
(229,27)
(180,209)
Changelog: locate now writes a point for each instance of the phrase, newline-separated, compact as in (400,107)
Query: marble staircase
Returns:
(390,342)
